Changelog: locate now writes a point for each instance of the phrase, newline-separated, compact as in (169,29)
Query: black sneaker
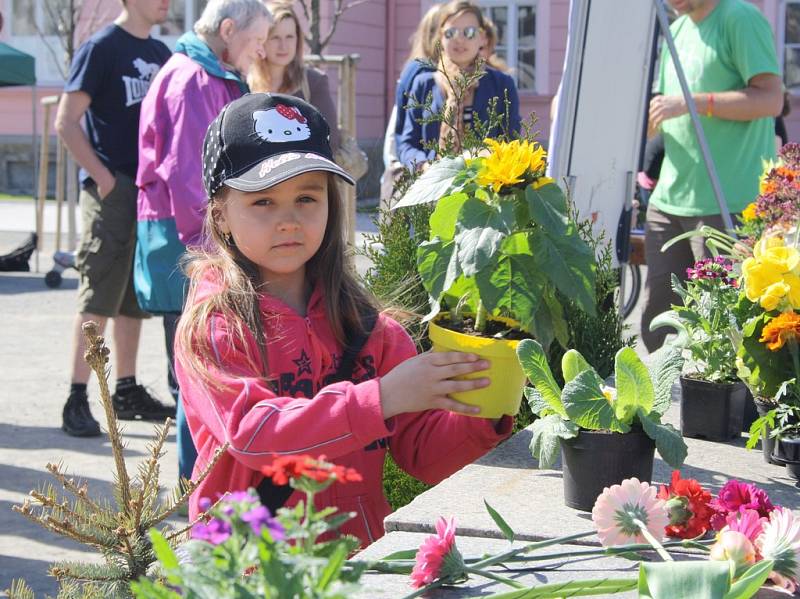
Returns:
(77,420)
(137,403)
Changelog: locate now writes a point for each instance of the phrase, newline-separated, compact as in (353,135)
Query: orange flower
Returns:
(781,329)
(284,468)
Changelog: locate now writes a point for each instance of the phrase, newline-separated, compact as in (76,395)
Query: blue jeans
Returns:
(187,454)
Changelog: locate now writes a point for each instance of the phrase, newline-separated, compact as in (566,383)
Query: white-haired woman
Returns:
(207,71)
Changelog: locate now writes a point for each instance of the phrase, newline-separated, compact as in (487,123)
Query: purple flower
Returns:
(259,518)
(239,497)
(215,532)
(736,495)
(712,269)
(204,504)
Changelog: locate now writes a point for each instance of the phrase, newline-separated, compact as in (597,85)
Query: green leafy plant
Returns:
(706,322)
(244,551)
(639,399)
(501,241)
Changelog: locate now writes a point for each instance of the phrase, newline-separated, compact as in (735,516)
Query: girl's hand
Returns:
(424,382)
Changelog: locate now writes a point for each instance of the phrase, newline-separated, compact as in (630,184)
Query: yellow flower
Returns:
(542,181)
(757,277)
(772,295)
(767,166)
(749,213)
(510,162)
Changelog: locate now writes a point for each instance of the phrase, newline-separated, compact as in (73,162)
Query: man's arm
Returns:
(71,108)
(763,97)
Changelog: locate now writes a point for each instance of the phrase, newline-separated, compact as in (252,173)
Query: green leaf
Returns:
(569,263)
(164,553)
(669,443)
(147,589)
(501,524)
(670,580)
(433,183)
(666,366)
(443,219)
(548,208)
(587,406)
(546,440)
(464,290)
(332,568)
(535,400)
(573,588)
(572,364)
(480,229)
(556,313)
(670,319)
(436,266)
(749,583)
(400,555)
(634,387)
(513,286)
(533,360)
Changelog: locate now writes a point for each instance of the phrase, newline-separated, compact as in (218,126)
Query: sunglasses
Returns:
(468,32)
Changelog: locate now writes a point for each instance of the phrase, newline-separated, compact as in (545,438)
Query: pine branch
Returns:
(20,590)
(81,492)
(188,490)
(148,478)
(97,357)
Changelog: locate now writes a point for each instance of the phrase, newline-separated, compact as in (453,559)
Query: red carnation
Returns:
(687,503)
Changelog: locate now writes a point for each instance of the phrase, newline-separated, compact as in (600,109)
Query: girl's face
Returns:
(281,46)
(462,39)
(281,228)
(245,46)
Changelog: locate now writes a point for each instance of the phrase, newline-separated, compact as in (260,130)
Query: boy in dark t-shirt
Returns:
(108,79)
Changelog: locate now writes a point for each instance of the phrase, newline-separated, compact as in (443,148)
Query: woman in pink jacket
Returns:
(281,352)
(205,73)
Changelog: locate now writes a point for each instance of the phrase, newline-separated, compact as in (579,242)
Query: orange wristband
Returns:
(710,107)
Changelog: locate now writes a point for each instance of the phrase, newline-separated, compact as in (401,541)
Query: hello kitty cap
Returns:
(260,140)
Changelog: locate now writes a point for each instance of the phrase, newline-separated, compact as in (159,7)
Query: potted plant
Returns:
(713,399)
(501,243)
(604,434)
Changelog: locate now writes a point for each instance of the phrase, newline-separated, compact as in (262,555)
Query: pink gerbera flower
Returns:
(438,556)
(736,494)
(620,508)
(748,522)
(780,541)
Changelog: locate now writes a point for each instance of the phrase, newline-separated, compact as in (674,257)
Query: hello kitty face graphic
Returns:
(280,124)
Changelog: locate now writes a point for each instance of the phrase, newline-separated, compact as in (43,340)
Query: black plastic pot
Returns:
(767,442)
(712,411)
(597,459)
(787,451)
(750,411)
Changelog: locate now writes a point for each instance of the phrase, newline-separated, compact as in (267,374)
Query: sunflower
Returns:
(510,163)
(781,329)
(749,213)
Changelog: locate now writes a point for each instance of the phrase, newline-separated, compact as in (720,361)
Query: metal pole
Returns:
(698,128)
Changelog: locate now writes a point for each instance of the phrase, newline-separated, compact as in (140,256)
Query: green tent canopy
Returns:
(16,68)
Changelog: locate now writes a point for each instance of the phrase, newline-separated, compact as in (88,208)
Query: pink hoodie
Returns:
(342,421)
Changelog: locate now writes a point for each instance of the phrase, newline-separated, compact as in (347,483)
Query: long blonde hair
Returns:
(259,78)
(423,40)
(240,286)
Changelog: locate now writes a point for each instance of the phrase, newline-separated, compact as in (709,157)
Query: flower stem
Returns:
(499,559)
(653,541)
(493,576)
(309,540)
(480,317)
(428,587)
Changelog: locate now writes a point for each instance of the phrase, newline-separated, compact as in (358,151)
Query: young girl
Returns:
(274,317)
(465,36)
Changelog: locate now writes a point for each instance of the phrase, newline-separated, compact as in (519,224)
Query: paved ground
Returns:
(34,376)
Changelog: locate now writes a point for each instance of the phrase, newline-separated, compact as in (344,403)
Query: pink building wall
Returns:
(377,30)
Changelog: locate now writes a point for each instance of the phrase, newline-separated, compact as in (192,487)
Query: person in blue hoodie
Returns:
(464,38)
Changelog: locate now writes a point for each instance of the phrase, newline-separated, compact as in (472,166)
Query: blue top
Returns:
(115,69)
(196,49)
(493,84)
(411,69)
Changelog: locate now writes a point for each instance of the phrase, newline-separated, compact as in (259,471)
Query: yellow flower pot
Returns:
(504,394)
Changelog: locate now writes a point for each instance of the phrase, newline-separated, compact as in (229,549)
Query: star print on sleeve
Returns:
(303,363)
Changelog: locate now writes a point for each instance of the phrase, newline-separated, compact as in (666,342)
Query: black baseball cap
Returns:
(260,140)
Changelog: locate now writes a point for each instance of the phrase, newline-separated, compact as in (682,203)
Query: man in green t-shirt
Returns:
(727,52)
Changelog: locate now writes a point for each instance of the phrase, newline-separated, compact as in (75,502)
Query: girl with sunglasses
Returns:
(464,35)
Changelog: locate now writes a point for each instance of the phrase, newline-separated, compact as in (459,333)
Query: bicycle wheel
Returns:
(633,289)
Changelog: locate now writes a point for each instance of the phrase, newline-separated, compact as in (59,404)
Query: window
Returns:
(791,44)
(521,39)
